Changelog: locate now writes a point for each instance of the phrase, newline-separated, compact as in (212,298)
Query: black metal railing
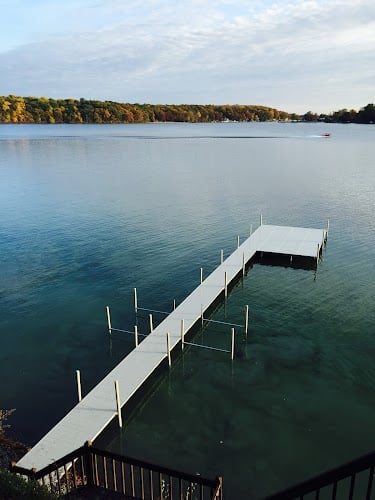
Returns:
(351,481)
(91,467)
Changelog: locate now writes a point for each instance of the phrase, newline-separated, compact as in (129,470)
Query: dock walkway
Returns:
(94,412)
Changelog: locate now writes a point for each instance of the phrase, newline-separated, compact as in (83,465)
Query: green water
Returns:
(87,213)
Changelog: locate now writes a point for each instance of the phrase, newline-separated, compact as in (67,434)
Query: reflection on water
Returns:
(89,212)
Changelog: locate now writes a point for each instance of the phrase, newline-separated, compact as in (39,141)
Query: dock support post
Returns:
(79,390)
(201,275)
(109,320)
(243,264)
(232,348)
(246,318)
(317,255)
(251,230)
(169,350)
(136,335)
(221,256)
(174,304)
(118,403)
(261,219)
(182,334)
(225,284)
(135,301)
(151,323)
(238,241)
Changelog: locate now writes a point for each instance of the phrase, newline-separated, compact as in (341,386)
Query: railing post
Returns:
(238,241)
(136,335)
(251,229)
(201,275)
(118,403)
(79,390)
(261,219)
(135,301)
(225,284)
(243,264)
(232,347)
(87,454)
(151,323)
(221,256)
(169,350)
(109,320)
(246,318)
(182,334)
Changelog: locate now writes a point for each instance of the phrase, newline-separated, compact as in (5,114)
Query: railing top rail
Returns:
(89,449)
(326,478)
(212,483)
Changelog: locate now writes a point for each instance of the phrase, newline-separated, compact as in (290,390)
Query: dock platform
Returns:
(96,410)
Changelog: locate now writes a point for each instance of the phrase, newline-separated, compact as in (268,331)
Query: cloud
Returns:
(296,55)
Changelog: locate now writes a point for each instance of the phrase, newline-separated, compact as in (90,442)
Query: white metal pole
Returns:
(225,284)
(109,320)
(222,256)
(243,264)
(118,403)
(169,350)
(135,301)
(174,304)
(327,226)
(261,219)
(251,229)
(182,334)
(79,390)
(246,319)
(151,323)
(238,241)
(232,349)
(201,275)
(136,335)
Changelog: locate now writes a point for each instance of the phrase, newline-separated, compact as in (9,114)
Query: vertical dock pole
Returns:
(135,301)
(201,275)
(182,334)
(109,320)
(169,350)
(136,335)
(221,256)
(79,390)
(261,219)
(246,318)
(174,304)
(151,323)
(317,256)
(232,348)
(225,284)
(118,403)
(238,241)
(243,264)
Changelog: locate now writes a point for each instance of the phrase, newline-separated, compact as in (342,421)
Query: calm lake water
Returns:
(88,212)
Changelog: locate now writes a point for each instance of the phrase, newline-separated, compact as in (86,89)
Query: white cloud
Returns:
(296,56)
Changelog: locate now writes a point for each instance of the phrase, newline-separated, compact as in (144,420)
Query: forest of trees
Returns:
(15,109)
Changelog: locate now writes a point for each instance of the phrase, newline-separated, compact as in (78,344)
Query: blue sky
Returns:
(295,55)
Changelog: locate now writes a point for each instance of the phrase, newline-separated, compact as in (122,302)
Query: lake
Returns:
(88,212)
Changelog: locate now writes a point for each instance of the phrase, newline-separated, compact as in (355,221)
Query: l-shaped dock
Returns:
(96,410)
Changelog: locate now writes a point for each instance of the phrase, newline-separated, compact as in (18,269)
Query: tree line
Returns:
(364,115)
(15,109)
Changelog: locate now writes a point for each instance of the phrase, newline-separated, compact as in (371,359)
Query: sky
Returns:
(293,55)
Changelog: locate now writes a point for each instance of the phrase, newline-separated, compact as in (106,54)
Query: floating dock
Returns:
(96,410)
